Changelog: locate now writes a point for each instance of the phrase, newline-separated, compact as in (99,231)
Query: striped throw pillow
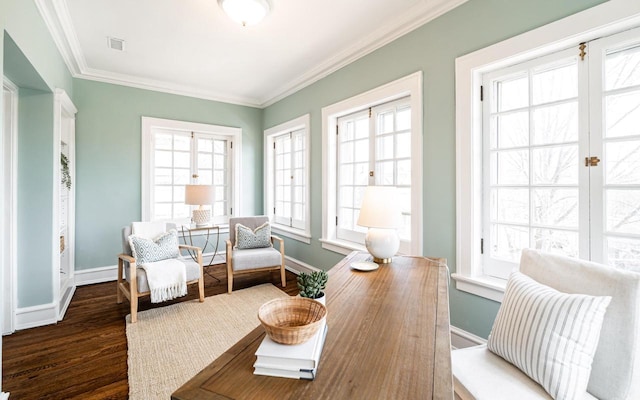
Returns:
(549,335)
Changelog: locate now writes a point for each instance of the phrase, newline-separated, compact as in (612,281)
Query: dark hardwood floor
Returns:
(84,356)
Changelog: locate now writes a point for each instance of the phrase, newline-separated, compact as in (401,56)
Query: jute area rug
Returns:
(169,345)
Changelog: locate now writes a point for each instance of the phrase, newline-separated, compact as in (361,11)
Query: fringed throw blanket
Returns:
(167,279)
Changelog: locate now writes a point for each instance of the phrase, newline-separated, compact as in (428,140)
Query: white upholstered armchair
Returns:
(133,280)
(615,372)
(252,249)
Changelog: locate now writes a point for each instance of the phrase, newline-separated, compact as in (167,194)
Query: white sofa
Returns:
(480,374)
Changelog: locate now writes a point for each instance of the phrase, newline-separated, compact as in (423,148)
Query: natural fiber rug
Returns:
(169,345)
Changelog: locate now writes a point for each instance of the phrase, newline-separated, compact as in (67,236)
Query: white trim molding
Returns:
(64,116)
(410,85)
(9,202)
(96,275)
(41,315)
(601,20)
(296,266)
(461,338)
(58,20)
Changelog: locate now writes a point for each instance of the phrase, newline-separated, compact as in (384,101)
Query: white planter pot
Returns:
(320,300)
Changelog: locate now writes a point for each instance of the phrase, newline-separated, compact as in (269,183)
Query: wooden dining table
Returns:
(388,337)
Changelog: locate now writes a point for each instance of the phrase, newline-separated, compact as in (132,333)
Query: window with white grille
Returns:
(178,153)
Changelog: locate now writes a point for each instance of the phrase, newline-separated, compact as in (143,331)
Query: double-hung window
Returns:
(374,148)
(373,139)
(287,178)
(178,153)
(552,161)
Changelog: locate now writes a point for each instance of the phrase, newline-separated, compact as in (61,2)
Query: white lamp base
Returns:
(383,244)
(201,217)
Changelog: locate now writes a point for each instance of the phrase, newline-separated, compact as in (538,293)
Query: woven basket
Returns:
(291,320)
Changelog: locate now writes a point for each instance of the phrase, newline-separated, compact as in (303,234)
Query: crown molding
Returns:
(58,20)
(165,87)
(406,23)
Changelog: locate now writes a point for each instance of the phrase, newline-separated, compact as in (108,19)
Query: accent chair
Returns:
(254,250)
(132,279)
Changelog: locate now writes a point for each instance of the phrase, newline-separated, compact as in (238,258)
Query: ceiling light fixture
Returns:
(245,12)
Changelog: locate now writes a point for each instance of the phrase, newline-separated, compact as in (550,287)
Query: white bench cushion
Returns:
(479,374)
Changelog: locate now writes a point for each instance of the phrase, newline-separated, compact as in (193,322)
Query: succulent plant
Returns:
(312,285)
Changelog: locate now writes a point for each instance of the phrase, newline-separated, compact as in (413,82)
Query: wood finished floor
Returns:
(84,356)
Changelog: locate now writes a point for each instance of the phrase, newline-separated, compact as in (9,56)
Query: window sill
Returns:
(483,286)
(341,246)
(292,233)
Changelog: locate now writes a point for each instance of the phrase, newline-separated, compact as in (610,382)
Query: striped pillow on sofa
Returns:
(549,335)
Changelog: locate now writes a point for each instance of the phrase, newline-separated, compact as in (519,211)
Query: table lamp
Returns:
(380,213)
(199,195)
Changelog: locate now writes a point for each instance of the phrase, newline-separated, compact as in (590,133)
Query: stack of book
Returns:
(298,361)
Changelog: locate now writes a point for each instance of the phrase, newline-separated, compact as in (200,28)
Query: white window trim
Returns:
(410,85)
(602,20)
(302,122)
(234,134)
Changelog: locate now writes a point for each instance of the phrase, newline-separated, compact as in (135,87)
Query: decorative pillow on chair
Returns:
(162,248)
(549,335)
(253,239)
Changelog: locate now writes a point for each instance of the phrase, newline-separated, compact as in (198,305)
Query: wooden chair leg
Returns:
(201,288)
(134,308)
(229,269)
(118,289)
(283,276)
(201,280)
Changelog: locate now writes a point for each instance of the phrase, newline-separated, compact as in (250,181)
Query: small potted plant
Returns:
(312,285)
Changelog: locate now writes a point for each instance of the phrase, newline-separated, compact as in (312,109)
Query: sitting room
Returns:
(444,193)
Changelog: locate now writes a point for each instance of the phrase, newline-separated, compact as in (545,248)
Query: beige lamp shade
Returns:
(197,195)
(379,208)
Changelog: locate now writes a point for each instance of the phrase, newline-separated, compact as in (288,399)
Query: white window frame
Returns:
(602,20)
(411,86)
(302,122)
(232,133)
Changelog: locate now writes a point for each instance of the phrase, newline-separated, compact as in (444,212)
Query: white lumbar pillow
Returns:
(549,335)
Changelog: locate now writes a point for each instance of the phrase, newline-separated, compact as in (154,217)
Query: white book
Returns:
(303,356)
(285,373)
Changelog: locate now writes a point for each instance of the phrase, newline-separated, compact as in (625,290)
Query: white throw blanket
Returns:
(167,279)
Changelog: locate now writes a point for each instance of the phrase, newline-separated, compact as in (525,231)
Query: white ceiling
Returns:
(191,47)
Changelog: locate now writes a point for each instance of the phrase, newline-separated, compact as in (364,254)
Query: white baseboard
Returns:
(96,275)
(31,317)
(65,301)
(297,266)
(461,338)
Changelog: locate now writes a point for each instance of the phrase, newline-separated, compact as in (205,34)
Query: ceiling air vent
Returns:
(115,44)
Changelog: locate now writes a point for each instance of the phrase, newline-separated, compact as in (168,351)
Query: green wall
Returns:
(431,49)
(31,60)
(108,149)
(35,194)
